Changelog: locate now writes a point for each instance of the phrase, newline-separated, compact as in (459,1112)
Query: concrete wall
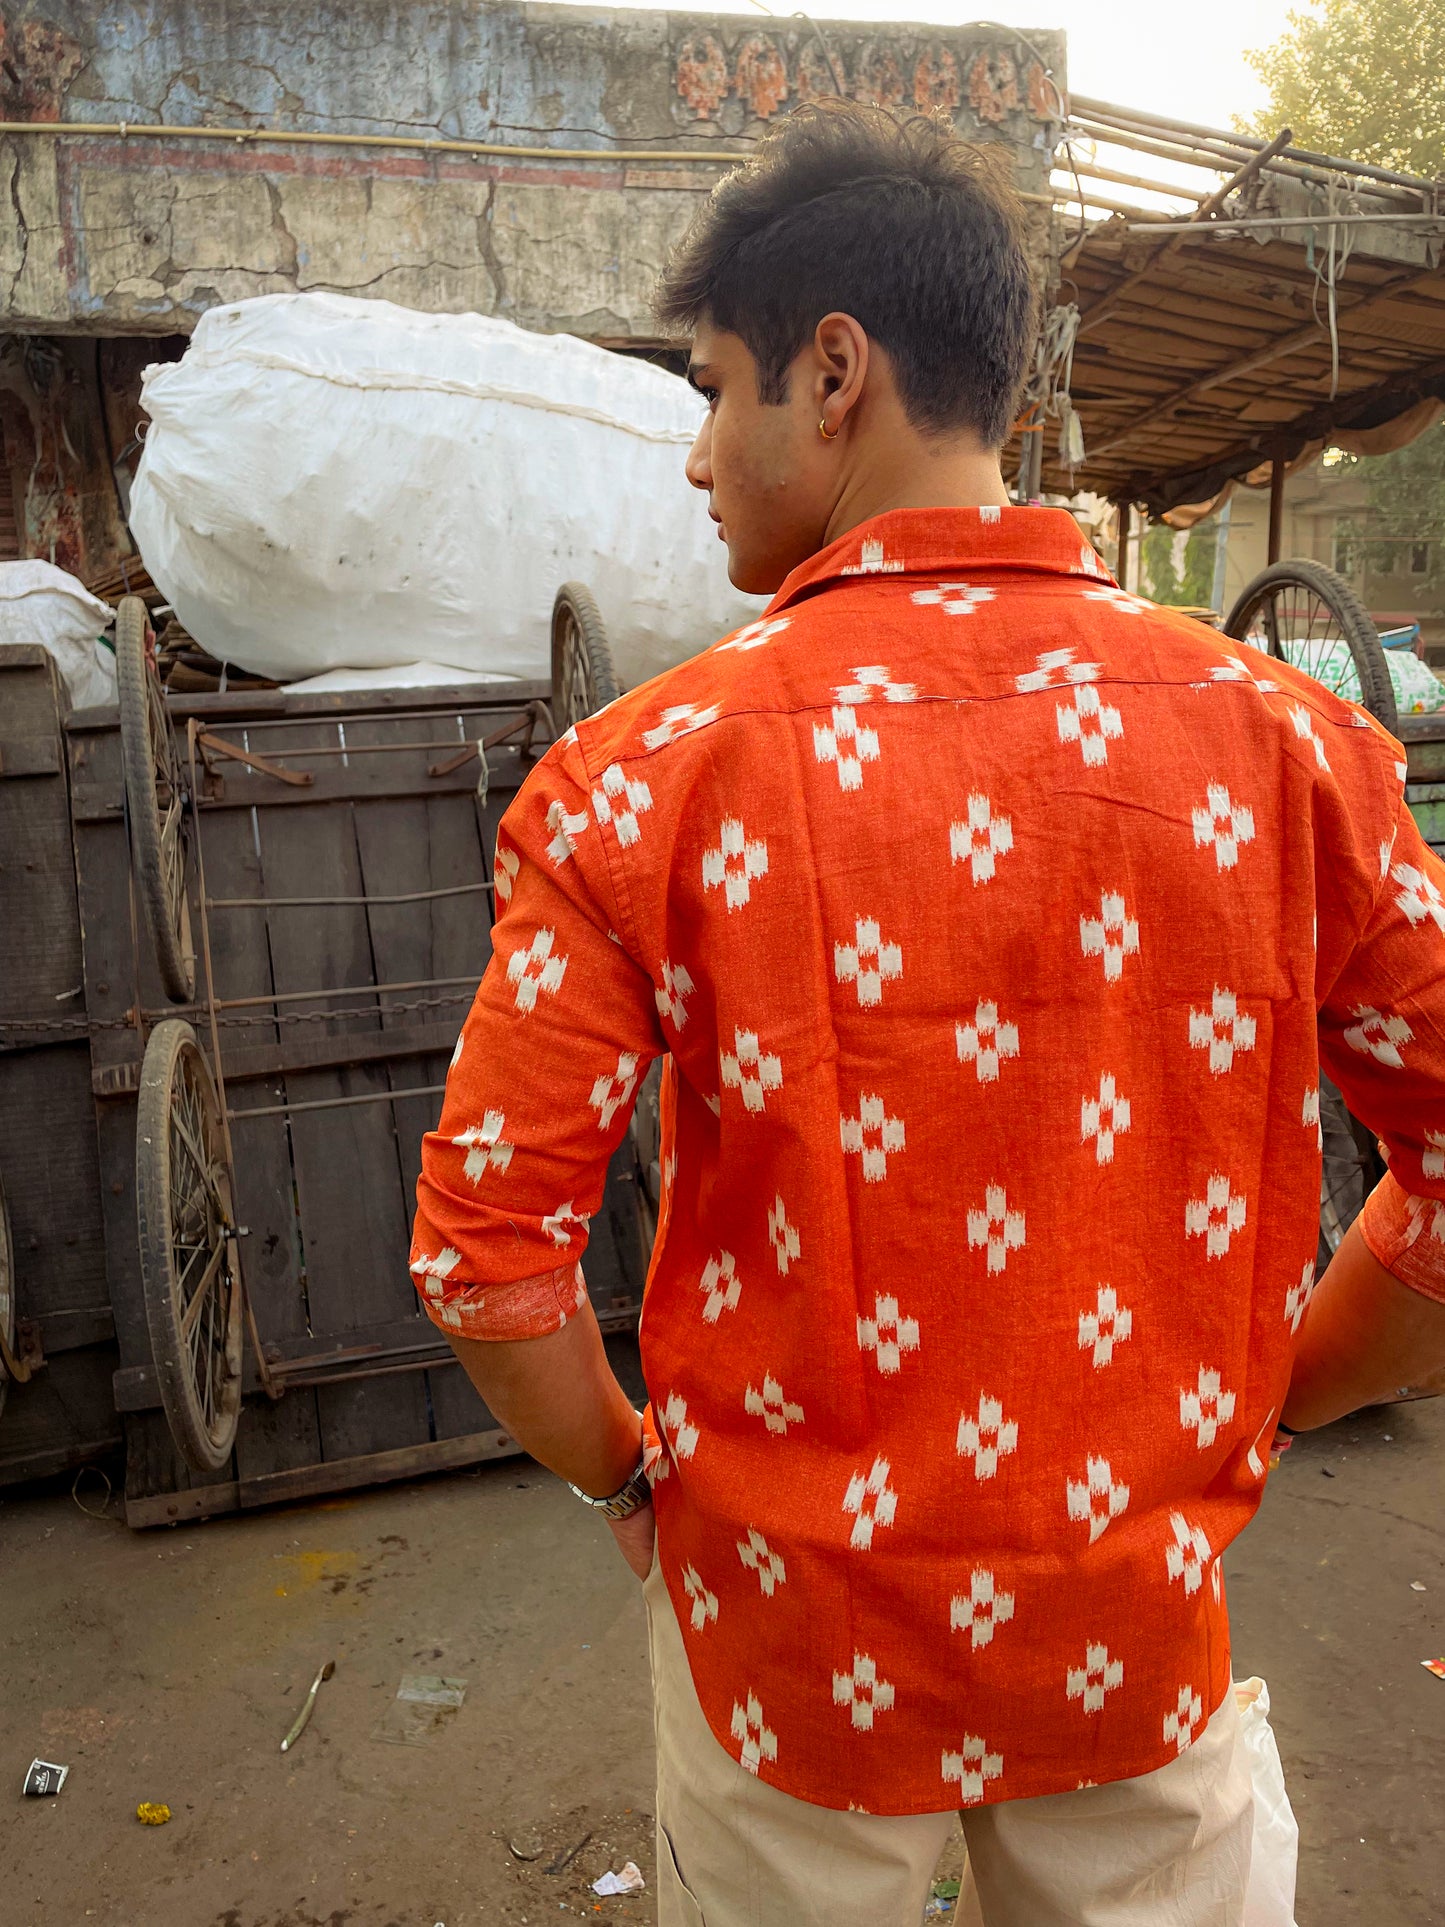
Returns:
(139,235)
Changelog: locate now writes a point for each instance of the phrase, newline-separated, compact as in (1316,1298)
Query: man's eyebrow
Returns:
(695,372)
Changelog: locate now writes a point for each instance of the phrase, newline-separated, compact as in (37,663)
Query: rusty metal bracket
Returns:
(218,746)
(28,1356)
(536,714)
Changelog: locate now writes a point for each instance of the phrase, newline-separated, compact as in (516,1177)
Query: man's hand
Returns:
(636,1538)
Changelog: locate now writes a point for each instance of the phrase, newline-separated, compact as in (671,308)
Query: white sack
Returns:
(330,482)
(1269,1900)
(40,603)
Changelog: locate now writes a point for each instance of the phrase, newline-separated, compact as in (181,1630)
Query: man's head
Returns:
(862,313)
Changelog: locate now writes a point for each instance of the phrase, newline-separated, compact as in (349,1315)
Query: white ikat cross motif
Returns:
(1233,670)
(873,1136)
(954,598)
(1216,1216)
(1297,1298)
(1379,1036)
(1091,723)
(987,1437)
(872,1502)
(619,800)
(782,1236)
(755,634)
(1056,667)
(868,962)
(1112,935)
(720,1285)
(679,1434)
(1304,728)
(1120,599)
(1103,1117)
(565,828)
(486,1148)
(1099,1675)
(1432,1161)
(750,1070)
(981,1610)
(1221,823)
(981,840)
(985,1043)
(504,872)
(436,1270)
(1187,1554)
(770,1405)
(1222,1030)
(758,1741)
(703,1602)
(1205,1407)
(887,1334)
(758,1556)
(1097,1499)
(873,561)
(534,970)
(972,1767)
(874,681)
(863,1691)
(677,987)
(560,1224)
(847,744)
(680,720)
(1419,898)
(1310,1117)
(996,1226)
(1184,1719)
(1107,1325)
(736,864)
(612,1091)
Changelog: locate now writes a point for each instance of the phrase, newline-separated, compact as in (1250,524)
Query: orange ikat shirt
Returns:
(995,925)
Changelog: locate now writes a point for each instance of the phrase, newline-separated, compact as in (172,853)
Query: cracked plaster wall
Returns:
(112,236)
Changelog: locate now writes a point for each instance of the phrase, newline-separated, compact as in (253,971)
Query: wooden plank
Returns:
(277,705)
(62,1417)
(50,1167)
(40,927)
(95,800)
(300,1052)
(354,1221)
(338,1475)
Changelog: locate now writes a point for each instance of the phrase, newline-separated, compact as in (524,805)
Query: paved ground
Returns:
(167,1666)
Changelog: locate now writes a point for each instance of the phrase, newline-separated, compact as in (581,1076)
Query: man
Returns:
(986,916)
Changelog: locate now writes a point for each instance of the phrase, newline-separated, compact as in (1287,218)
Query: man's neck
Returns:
(920,475)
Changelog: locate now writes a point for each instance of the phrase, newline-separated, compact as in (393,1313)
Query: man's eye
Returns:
(709,395)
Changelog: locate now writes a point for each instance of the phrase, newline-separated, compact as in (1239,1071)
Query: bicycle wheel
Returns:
(583,679)
(1306,614)
(155,802)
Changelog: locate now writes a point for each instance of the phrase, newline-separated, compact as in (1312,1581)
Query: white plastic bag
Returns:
(338,483)
(40,603)
(1418,690)
(1269,1901)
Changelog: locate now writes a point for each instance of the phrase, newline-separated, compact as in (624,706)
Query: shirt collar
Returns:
(945,541)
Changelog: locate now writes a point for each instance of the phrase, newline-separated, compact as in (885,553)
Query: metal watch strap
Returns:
(629,1498)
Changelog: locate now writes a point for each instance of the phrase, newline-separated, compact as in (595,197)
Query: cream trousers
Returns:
(1170,1849)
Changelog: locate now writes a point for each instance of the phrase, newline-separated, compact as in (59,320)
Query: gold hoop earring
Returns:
(823,431)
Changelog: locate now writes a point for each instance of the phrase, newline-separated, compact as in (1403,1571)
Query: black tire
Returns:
(7,1299)
(1306,603)
(155,803)
(189,1273)
(583,678)
(1350,1168)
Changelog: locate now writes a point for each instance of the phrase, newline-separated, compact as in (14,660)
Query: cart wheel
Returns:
(1302,612)
(645,1138)
(583,679)
(1350,1168)
(7,1301)
(156,801)
(187,1255)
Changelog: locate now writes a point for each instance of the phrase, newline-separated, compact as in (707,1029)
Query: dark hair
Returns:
(897,222)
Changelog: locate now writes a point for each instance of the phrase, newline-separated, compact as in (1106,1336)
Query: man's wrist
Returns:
(631,1496)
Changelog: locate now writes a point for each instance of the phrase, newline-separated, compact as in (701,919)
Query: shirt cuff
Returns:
(1406,1234)
(528,1308)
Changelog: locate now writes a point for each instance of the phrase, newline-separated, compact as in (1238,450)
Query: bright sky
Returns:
(1184,62)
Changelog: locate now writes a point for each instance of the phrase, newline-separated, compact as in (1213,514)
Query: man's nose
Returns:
(698,468)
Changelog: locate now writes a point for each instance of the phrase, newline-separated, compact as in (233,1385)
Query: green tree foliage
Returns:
(1364,79)
(1404,521)
(1188,587)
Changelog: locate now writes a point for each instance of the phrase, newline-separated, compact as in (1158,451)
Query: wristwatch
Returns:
(621,1504)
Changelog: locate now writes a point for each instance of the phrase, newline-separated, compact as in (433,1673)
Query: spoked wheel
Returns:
(156,802)
(187,1246)
(645,1139)
(9,1365)
(583,679)
(1350,1168)
(1305,614)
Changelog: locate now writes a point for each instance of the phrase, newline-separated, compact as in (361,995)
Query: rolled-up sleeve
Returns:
(544,1078)
(1382,1040)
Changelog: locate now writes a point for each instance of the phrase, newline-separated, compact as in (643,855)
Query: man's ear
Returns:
(840,364)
